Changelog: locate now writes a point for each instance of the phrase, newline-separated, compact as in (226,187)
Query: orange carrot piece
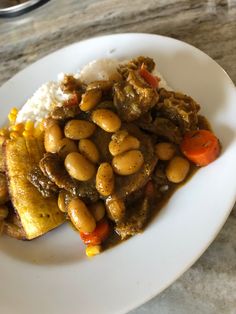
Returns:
(100,233)
(200,146)
(148,77)
(72,101)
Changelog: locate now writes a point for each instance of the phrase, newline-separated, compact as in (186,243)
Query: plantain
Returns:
(37,214)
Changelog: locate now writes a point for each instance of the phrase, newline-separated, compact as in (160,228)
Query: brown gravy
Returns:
(157,205)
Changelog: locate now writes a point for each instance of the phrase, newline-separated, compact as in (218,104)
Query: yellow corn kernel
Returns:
(29,125)
(92,250)
(14,134)
(18,127)
(4,132)
(41,125)
(27,133)
(14,111)
(37,131)
(12,118)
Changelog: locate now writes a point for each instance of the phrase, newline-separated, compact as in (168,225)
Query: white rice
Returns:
(41,103)
(50,94)
(102,69)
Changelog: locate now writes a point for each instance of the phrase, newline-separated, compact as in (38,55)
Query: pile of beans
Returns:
(81,158)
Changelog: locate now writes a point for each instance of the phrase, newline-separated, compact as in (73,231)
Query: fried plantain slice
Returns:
(36,214)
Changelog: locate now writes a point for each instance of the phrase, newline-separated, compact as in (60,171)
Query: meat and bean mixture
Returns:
(116,149)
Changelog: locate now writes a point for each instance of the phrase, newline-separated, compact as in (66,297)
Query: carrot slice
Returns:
(148,77)
(200,146)
(100,233)
(73,101)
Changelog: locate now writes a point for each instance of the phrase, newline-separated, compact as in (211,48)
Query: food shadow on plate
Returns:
(59,247)
(205,81)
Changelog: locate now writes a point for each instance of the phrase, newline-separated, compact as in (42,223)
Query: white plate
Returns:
(52,274)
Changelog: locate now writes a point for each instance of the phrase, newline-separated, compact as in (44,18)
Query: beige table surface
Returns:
(209,286)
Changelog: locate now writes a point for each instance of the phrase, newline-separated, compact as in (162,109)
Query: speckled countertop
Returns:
(209,286)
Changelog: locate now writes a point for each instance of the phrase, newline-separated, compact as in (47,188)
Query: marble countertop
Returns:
(209,286)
